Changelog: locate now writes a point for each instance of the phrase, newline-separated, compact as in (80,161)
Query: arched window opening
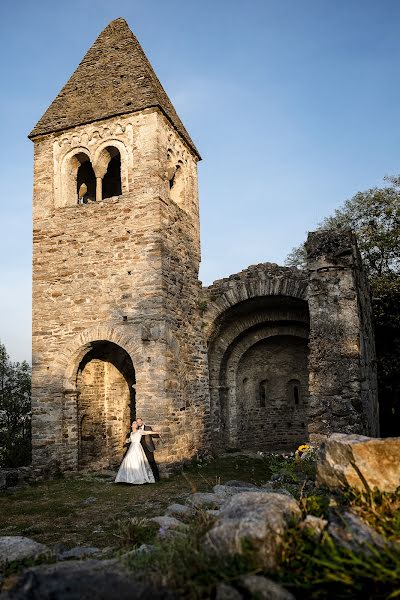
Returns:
(263,391)
(85,180)
(176,182)
(112,178)
(294,392)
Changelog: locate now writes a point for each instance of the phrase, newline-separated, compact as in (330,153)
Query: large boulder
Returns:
(103,580)
(256,518)
(16,548)
(359,462)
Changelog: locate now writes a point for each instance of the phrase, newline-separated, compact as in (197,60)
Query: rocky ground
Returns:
(274,534)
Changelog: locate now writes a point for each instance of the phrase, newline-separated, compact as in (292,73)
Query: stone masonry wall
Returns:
(341,361)
(277,420)
(187,385)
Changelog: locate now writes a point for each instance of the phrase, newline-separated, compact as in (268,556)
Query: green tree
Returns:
(374,215)
(15,411)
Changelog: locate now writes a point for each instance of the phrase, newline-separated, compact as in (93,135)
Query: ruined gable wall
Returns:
(342,359)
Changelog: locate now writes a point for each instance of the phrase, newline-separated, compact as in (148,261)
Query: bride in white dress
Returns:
(135,467)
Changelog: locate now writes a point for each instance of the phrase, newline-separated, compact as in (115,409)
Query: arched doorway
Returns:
(106,404)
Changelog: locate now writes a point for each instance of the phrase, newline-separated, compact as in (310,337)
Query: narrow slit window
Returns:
(263,391)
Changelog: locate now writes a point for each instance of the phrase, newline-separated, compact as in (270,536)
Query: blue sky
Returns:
(294,106)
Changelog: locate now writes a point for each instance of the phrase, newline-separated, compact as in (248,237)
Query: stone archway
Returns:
(258,328)
(105,382)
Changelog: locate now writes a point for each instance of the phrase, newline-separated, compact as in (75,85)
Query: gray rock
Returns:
(314,525)
(238,483)
(212,512)
(226,491)
(205,499)
(90,500)
(167,523)
(227,592)
(264,589)
(16,548)
(352,533)
(179,511)
(102,580)
(79,552)
(358,462)
(258,518)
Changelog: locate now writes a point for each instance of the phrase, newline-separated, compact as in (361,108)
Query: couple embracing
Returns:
(138,465)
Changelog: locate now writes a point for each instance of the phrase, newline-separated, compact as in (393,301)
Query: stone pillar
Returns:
(342,364)
(99,189)
(70,431)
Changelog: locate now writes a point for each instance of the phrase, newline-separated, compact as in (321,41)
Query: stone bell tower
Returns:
(116,323)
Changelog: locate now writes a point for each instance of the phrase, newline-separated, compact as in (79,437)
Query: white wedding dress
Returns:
(135,467)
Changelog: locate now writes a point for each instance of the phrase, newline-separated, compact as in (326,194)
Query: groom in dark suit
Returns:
(149,447)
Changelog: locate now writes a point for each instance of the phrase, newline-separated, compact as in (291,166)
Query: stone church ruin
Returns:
(263,359)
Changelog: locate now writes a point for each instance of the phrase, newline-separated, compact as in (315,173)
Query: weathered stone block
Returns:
(359,462)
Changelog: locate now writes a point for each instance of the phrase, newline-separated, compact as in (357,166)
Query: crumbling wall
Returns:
(342,385)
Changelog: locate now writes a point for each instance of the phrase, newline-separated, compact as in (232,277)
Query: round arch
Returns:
(250,319)
(80,344)
(104,154)
(66,193)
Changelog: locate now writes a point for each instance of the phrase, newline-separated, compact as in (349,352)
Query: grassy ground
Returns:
(86,510)
(89,510)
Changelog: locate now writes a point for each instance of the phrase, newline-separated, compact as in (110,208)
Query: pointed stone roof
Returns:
(114,78)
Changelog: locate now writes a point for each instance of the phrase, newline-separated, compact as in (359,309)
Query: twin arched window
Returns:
(99,181)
